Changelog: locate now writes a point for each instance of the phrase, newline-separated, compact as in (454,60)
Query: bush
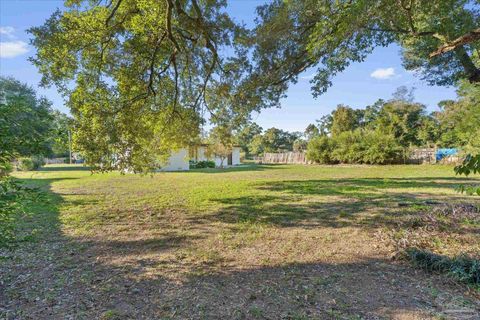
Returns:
(28,164)
(38,162)
(25,164)
(349,147)
(380,148)
(5,168)
(202,164)
(361,146)
(463,268)
(319,150)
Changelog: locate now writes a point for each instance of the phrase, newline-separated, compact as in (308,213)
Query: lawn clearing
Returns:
(253,242)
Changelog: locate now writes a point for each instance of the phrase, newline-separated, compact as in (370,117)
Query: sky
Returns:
(359,85)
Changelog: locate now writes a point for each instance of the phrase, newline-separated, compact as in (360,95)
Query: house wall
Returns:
(201,154)
(178,161)
(236,156)
(218,162)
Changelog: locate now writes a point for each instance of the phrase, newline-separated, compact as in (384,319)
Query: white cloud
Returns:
(7,31)
(383,73)
(11,49)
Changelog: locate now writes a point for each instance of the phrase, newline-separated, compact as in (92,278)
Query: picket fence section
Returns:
(416,156)
(284,157)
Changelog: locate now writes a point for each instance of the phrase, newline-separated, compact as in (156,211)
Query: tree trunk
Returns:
(473,73)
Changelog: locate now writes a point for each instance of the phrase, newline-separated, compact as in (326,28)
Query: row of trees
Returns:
(255,141)
(386,130)
(380,133)
(28,125)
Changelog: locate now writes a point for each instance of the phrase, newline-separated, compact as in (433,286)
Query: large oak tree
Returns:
(141,76)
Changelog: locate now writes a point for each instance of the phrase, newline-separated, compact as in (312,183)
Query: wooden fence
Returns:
(284,157)
(415,156)
(421,155)
(56,160)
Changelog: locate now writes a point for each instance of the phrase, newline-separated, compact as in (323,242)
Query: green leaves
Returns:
(14,199)
(142,76)
(471,165)
(299,34)
(25,120)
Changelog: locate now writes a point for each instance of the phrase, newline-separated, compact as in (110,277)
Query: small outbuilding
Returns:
(179,160)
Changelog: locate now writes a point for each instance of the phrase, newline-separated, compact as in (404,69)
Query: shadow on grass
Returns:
(65,167)
(240,168)
(346,186)
(367,202)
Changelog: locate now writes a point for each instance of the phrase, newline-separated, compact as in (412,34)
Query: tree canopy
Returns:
(24,119)
(141,76)
(28,124)
(295,35)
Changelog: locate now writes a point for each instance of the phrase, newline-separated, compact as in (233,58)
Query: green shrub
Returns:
(319,150)
(5,168)
(202,164)
(25,164)
(380,148)
(349,147)
(38,162)
(32,163)
(462,268)
(364,146)
(14,198)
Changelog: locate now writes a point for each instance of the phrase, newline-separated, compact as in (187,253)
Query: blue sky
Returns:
(358,86)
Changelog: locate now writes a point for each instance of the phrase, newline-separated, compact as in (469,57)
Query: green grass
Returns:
(246,196)
(214,235)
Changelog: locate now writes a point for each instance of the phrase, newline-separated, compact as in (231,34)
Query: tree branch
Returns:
(470,37)
(113,12)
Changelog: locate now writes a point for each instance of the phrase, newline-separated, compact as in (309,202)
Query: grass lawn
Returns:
(253,242)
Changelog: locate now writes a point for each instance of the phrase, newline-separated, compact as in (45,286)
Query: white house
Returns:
(179,160)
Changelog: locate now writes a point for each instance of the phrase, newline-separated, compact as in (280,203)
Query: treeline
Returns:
(29,127)
(255,141)
(383,132)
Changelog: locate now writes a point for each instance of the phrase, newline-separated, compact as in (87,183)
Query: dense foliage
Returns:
(24,120)
(357,146)
(29,164)
(201,164)
(320,149)
(141,76)
(28,125)
(245,134)
(460,120)
(471,164)
(274,140)
(29,130)
(385,131)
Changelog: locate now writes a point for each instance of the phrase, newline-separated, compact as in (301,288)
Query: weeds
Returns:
(14,198)
(463,268)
